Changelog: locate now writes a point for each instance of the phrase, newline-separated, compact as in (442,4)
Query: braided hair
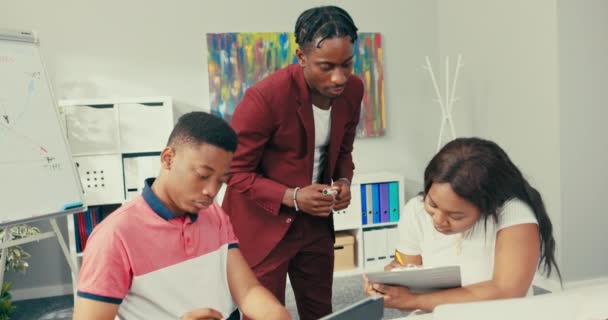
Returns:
(324,22)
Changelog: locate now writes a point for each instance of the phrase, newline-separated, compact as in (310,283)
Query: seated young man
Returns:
(171,252)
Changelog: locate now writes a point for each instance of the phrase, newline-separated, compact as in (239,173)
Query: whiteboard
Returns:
(37,175)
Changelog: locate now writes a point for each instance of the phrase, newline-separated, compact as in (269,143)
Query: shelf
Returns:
(104,101)
(347,228)
(365,178)
(379,225)
(358,270)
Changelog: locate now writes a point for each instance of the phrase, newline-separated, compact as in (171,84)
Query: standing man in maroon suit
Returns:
(296,130)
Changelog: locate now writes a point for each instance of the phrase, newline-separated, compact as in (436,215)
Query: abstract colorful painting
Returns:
(237,60)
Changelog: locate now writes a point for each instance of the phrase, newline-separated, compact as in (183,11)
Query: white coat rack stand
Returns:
(446,102)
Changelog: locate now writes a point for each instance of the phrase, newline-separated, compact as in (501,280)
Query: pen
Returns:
(399,258)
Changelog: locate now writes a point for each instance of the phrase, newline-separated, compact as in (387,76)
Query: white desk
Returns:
(577,303)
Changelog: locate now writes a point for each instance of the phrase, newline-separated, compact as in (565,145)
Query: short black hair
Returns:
(200,127)
(325,22)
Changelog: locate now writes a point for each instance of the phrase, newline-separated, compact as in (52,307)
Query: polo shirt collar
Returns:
(159,208)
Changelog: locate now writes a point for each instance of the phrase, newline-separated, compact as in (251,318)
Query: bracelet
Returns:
(295,201)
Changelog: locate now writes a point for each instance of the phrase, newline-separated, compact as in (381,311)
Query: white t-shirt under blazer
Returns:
(322,119)
(473,250)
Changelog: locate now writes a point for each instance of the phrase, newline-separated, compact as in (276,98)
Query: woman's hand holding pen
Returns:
(397,263)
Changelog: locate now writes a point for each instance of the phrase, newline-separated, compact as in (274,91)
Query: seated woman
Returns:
(479,212)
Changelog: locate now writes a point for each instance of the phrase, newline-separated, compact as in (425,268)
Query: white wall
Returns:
(112,48)
(532,81)
(509,88)
(583,61)
(535,82)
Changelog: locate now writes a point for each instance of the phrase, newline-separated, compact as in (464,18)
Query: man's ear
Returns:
(167,157)
(301,57)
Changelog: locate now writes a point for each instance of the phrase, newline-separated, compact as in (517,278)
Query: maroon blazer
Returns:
(275,127)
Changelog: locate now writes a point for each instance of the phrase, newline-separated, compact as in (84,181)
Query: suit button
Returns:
(288,220)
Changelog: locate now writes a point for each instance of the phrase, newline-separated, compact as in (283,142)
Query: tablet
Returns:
(371,308)
(423,279)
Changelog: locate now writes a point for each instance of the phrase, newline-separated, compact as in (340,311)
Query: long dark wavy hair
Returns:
(480,172)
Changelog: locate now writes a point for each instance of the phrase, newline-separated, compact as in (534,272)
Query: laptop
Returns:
(371,308)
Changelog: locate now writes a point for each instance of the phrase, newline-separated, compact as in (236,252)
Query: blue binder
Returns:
(376,202)
(88,221)
(76,232)
(384,208)
(363,205)
(393,190)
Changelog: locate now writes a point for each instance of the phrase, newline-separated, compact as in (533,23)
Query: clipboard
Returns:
(423,279)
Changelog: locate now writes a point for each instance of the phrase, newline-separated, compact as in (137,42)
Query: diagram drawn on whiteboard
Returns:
(16,138)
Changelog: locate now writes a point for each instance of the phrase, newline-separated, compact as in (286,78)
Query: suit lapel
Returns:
(338,119)
(308,122)
(304,111)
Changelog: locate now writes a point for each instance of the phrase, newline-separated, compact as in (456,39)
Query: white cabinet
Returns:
(374,237)
(113,140)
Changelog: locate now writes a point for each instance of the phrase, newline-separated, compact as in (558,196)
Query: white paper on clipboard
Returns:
(420,279)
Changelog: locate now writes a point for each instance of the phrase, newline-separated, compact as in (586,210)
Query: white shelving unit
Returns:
(350,220)
(116,144)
